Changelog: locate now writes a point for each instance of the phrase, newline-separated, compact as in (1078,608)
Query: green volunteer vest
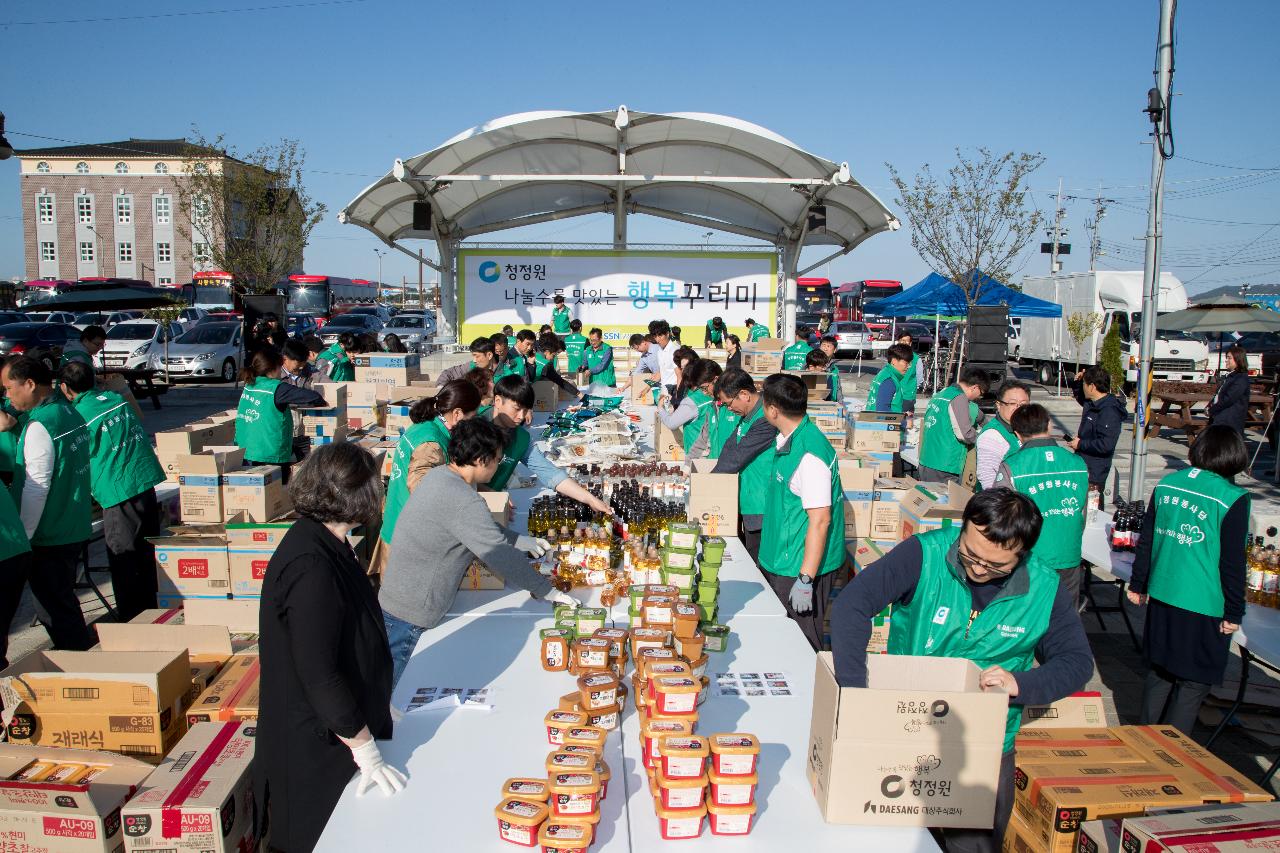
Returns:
(939,447)
(793,356)
(513,366)
(573,347)
(910,379)
(593,357)
(9,440)
(560,320)
(265,432)
(1190,506)
(517,448)
(1012,440)
(67,514)
(757,332)
(540,366)
(706,411)
(715,334)
(785,519)
(122,463)
(723,424)
(753,481)
(886,374)
(511,343)
(343,369)
(79,355)
(411,439)
(13,536)
(1057,481)
(939,620)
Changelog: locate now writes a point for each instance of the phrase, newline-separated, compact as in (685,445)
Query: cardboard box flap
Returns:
(194,639)
(766,345)
(911,672)
(237,615)
(61,680)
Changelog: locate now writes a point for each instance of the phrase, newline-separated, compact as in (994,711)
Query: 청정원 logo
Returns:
(489,272)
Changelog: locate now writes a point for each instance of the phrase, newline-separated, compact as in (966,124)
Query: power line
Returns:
(158,15)
(1225,166)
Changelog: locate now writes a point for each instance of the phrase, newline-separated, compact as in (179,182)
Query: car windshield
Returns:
(39,318)
(12,331)
(214,333)
(406,323)
(363,310)
(131,332)
(90,317)
(348,320)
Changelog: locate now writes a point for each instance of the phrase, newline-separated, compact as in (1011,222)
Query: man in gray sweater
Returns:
(445,525)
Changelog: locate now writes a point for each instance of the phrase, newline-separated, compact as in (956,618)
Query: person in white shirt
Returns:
(996,439)
(666,345)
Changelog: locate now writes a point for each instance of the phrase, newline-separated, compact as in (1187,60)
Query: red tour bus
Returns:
(852,296)
(813,296)
(318,295)
(212,290)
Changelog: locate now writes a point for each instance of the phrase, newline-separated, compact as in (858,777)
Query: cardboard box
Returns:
(393,360)
(828,417)
(334,393)
(886,510)
(365,394)
(1229,828)
(1099,836)
(238,615)
(199,483)
(880,625)
(879,432)
(1044,747)
(763,356)
(859,492)
(1018,838)
(190,567)
(668,444)
(397,418)
(200,798)
(922,725)
(713,499)
(391,378)
(207,646)
(884,464)
(158,616)
(546,396)
(1079,710)
(232,696)
(244,534)
(478,576)
(247,571)
(641,392)
(1196,767)
(61,817)
(865,552)
(363,417)
(933,506)
(257,492)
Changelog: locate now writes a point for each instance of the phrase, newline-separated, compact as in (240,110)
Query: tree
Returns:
(973,222)
(165,315)
(1081,326)
(246,214)
(1112,359)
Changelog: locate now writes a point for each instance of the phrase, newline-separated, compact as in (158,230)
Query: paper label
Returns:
(736,765)
(732,824)
(733,795)
(683,798)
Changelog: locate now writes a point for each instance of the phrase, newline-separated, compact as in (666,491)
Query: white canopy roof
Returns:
(707,170)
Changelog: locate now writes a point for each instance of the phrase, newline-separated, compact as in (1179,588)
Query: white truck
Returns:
(1047,346)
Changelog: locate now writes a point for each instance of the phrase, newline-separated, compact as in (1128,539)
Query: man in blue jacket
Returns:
(1100,425)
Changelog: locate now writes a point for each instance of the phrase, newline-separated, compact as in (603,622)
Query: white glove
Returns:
(375,771)
(532,545)
(558,597)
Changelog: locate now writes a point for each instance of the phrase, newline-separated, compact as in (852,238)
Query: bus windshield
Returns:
(308,299)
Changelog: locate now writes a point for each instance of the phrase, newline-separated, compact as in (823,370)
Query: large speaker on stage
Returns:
(988,341)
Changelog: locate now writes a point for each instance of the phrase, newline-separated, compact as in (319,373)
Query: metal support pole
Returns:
(1151,265)
(447,319)
(421,263)
(790,260)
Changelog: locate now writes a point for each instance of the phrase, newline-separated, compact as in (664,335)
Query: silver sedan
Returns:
(210,352)
(414,331)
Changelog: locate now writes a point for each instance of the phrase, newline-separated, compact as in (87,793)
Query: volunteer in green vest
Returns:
(818,361)
(1190,573)
(1057,481)
(560,316)
(910,376)
(510,334)
(123,474)
(8,446)
(264,425)
(502,353)
(794,355)
(996,439)
(695,413)
(92,340)
(724,423)
(951,427)
(748,452)
(755,331)
(831,345)
(15,564)
(51,491)
(597,359)
(512,406)
(541,366)
(887,391)
(517,355)
(338,357)
(802,540)
(976,592)
(574,344)
(716,330)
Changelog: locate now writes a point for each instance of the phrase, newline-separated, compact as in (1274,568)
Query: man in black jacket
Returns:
(1100,424)
(747,453)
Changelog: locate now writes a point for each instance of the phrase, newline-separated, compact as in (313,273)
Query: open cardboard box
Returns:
(200,482)
(713,499)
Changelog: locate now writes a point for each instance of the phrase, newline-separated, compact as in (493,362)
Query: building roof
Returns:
(126,148)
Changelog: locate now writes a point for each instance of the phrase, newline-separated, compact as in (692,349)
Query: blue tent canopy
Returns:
(937,295)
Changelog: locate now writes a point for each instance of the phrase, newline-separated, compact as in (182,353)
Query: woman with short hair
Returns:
(326,666)
(1230,404)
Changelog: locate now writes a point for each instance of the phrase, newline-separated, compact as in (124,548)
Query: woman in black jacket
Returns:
(1230,405)
(733,352)
(326,667)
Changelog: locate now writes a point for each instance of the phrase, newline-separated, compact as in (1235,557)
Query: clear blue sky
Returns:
(362,83)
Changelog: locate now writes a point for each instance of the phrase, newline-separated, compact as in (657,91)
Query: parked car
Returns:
(356,324)
(1262,350)
(1015,342)
(7,317)
(189,317)
(219,317)
(132,343)
(921,335)
(413,330)
(42,341)
(380,311)
(208,351)
(105,319)
(301,325)
(51,317)
(852,336)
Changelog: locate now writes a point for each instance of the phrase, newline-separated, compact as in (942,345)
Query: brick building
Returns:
(111,209)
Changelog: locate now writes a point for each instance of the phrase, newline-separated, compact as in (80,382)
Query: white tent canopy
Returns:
(706,170)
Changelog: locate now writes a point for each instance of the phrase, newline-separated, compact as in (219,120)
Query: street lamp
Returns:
(706,239)
(379,253)
(6,150)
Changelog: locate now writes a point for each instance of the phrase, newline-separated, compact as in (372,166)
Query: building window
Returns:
(124,252)
(122,168)
(48,251)
(44,208)
(164,210)
(164,279)
(42,167)
(201,253)
(124,209)
(84,208)
(82,168)
(86,252)
(162,168)
(164,253)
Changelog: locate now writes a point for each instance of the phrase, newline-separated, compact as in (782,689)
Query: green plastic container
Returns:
(590,620)
(710,572)
(636,593)
(713,549)
(708,592)
(684,536)
(707,610)
(717,637)
(683,581)
(679,560)
(568,624)
(564,611)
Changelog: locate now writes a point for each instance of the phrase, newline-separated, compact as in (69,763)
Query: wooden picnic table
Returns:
(136,379)
(1184,410)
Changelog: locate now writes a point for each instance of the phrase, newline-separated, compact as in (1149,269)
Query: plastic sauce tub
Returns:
(682,793)
(683,757)
(734,754)
(676,824)
(519,820)
(606,718)
(713,549)
(591,653)
(559,722)
(733,790)
(684,620)
(647,638)
(574,794)
(564,837)
(731,820)
(588,736)
(590,620)
(675,694)
(605,774)
(598,690)
(617,638)
(528,790)
(652,733)
(657,610)
(690,648)
(566,762)
(710,571)
(717,637)
(555,649)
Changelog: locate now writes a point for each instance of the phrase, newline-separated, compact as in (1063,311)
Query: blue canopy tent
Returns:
(936,295)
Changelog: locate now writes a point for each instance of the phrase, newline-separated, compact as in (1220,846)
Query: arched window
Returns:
(122,168)
(162,169)
(42,167)
(82,168)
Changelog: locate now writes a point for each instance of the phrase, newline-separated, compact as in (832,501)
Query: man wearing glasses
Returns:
(996,439)
(974,592)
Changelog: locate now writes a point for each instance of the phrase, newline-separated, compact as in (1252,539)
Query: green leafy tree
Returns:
(1112,359)
(1081,326)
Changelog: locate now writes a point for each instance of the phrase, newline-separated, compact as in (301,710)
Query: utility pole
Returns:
(422,303)
(1055,233)
(1161,136)
(1094,227)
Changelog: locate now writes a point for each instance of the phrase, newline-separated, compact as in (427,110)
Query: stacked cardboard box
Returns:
(1225,828)
(932,506)
(764,356)
(207,646)
(250,546)
(328,423)
(233,695)
(886,510)
(389,368)
(256,492)
(397,418)
(713,499)
(191,563)
(876,432)
(366,404)
(478,575)
(200,482)
(173,444)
